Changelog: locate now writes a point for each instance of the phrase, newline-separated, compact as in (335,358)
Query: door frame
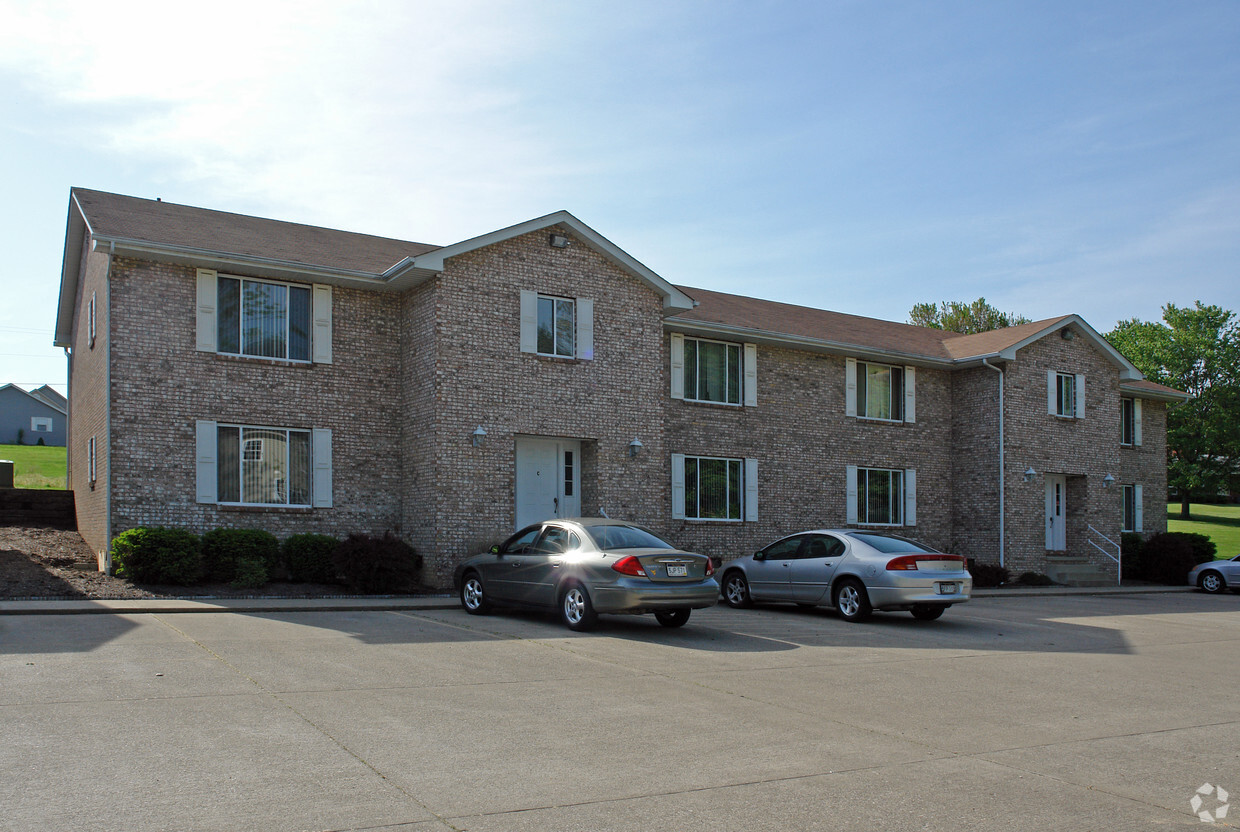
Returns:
(567,489)
(1056,510)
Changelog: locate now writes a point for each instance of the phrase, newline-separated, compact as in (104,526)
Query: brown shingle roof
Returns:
(997,340)
(1153,388)
(167,223)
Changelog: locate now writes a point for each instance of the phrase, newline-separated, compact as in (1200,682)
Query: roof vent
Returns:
(1067,334)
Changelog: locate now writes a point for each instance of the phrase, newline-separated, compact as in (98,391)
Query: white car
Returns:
(1217,575)
(856,572)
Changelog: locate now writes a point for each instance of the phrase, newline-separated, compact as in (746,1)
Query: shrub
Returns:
(988,574)
(41,442)
(157,555)
(308,558)
(1132,545)
(1034,579)
(223,548)
(377,564)
(249,573)
(1167,557)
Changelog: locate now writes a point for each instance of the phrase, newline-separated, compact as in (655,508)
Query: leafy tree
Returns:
(966,318)
(1197,350)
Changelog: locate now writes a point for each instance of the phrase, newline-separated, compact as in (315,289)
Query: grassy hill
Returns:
(36,466)
(1220,523)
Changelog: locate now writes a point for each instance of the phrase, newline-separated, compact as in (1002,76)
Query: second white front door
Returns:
(548,479)
(1056,512)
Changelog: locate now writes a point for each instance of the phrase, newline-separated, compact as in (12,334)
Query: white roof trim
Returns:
(1128,370)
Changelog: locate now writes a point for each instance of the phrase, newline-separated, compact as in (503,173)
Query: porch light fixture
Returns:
(559,241)
(1030,474)
(479,436)
(635,447)
(1108,481)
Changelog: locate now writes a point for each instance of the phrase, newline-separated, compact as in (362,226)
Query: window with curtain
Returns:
(1128,422)
(557,326)
(263,466)
(1130,508)
(263,319)
(1065,394)
(880,391)
(712,371)
(713,488)
(880,496)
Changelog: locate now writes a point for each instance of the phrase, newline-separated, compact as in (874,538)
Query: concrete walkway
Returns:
(422,602)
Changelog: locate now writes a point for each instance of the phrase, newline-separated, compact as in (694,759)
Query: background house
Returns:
(34,415)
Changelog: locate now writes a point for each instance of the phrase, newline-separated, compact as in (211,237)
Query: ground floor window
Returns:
(1132,508)
(881,496)
(714,488)
(263,466)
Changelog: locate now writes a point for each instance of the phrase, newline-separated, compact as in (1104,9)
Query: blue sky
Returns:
(1054,157)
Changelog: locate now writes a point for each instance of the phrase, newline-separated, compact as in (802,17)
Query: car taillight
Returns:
(908,563)
(710,566)
(630,566)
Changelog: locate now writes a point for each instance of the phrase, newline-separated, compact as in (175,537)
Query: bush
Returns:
(249,573)
(156,555)
(1034,579)
(988,574)
(1132,545)
(223,548)
(1167,557)
(378,564)
(308,558)
(41,442)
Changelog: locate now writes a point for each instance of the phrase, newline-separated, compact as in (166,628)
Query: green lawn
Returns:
(1219,523)
(36,466)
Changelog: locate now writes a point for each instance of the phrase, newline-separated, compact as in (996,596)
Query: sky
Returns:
(1053,157)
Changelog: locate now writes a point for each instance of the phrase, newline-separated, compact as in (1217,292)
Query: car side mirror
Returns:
(759,556)
(495,549)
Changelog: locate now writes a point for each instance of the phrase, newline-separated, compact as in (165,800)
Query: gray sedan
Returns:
(856,572)
(587,566)
(1217,575)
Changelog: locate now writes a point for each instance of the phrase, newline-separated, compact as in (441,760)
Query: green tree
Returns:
(1195,349)
(967,318)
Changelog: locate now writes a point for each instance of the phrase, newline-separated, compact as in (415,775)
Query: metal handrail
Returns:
(1117,557)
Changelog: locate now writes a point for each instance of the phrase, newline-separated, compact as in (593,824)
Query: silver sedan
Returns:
(587,566)
(1217,575)
(856,572)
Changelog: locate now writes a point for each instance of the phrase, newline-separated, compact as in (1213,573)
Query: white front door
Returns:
(1056,512)
(548,479)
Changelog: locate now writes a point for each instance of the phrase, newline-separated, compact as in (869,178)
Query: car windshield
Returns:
(889,544)
(608,538)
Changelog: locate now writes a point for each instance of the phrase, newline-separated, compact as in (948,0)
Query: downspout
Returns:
(1002,537)
(107,411)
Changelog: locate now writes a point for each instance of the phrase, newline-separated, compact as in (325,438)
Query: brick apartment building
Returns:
(243,372)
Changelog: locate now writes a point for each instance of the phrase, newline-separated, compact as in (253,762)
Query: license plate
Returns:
(677,570)
(948,588)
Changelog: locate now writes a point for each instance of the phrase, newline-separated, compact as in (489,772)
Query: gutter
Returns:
(1002,536)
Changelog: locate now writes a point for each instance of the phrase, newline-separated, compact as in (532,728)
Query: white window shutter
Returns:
(850,495)
(529,321)
(1080,396)
(208,299)
(207,481)
(910,394)
(321,449)
(1136,421)
(585,329)
(751,490)
(322,314)
(1139,522)
(1052,393)
(910,497)
(850,386)
(751,375)
(678,366)
(678,486)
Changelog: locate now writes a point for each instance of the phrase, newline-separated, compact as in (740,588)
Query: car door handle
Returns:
(516,563)
(556,564)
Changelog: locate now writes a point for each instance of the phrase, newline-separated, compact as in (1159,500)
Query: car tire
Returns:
(576,610)
(851,601)
(672,618)
(928,612)
(736,590)
(1212,582)
(473,595)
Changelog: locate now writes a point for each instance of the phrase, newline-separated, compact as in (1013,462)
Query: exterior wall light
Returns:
(635,447)
(1108,481)
(1030,474)
(559,241)
(479,436)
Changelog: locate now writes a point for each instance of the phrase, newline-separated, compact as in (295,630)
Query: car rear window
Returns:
(889,544)
(608,538)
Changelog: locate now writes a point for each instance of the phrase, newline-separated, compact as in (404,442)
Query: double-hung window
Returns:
(263,466)
(560,327)
(1132,508)
(1130,422)
(1065,395)
(713,371)
(264,318)
(881,392)
(881,496)
(714,488)
(41,424)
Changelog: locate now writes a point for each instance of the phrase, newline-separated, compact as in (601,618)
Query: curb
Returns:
(1066,591)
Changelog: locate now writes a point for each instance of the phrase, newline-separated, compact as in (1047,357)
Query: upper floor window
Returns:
(1130,421)
(263,319)
(884,392)
(1065,394)
(41,424)
(557,326)
(712,371)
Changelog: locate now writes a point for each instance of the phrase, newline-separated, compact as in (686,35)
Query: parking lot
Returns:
(1068,713)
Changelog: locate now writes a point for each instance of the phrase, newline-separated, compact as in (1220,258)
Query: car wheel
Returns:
(852,602)
(736,590)
(672,618)
(576,610)
(473,596)
(1212,582)
(927,612)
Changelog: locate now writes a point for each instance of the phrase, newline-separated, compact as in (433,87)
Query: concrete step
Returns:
(1078,572)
